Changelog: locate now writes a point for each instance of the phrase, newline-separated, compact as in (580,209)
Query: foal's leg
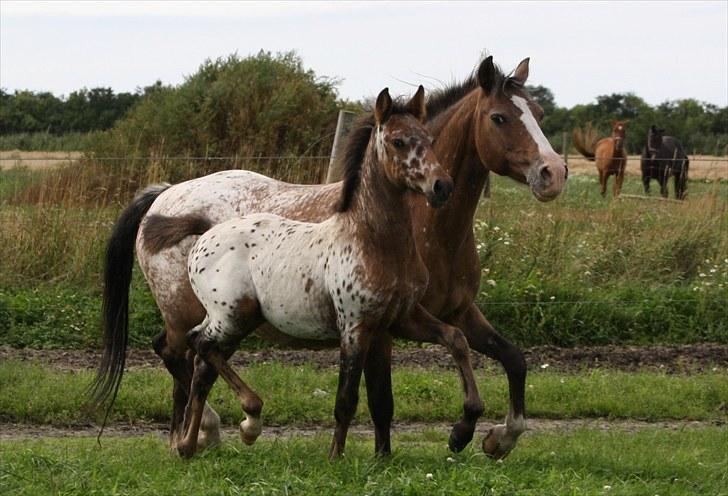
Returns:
(482,337)
(353,353)
(252,405)
(203,378)
(423,327)
(378,377)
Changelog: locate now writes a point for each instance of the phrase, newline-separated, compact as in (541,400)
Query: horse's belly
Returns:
(293,295)
(305,319)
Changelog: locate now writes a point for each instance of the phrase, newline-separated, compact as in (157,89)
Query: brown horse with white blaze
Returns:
(486,123)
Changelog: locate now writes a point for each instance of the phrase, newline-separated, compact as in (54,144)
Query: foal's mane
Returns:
(355,152)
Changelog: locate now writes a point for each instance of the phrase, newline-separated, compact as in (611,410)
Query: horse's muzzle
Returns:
(441,191)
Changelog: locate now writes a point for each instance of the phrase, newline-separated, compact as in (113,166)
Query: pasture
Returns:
(581,270)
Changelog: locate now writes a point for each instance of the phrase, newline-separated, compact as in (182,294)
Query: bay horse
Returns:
(349,278)
(486,123)
(662,157)
(608,154)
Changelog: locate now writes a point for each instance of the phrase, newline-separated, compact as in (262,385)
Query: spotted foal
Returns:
(354,275)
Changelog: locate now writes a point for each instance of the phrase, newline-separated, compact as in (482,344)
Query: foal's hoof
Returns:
(498,443)
(250,429)
(460,436)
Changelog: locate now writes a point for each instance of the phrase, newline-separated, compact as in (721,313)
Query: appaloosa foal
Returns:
(351,277)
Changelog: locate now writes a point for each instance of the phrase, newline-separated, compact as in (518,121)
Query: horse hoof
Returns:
(250,429)
(185,450)
(497,444)
(460,436)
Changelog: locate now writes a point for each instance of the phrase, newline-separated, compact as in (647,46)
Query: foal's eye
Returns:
(498,118)
(398,143)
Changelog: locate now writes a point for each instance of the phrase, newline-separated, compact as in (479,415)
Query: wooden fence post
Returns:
(343,126)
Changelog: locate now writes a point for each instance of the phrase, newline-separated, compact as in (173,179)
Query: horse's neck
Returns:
(378,212)
(455,147)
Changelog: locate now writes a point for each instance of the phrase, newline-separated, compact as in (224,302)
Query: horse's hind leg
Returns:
(378,377)
(203,378)
(423,327)
(172,349)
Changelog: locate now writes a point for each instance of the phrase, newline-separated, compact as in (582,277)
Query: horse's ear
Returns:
(486,74)
(520,75)
(416,105)
(383,107)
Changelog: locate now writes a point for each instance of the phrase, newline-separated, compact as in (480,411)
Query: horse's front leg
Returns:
(378,378)
(482,337)
(352,356)
(422,327)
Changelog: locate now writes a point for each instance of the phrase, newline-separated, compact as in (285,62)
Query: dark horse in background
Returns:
(662,157)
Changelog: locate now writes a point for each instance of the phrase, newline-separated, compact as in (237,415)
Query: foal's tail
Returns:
(117,279)
(585,140)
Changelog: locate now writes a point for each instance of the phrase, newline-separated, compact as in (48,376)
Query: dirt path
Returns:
(12,431)
(670,359)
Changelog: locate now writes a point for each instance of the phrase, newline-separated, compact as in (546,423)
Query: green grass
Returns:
(580,462)
(33,394)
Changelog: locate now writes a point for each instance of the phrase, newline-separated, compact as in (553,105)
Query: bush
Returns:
(259,106)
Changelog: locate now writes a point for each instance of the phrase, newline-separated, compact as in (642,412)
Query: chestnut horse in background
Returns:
(608,154)
(486,123)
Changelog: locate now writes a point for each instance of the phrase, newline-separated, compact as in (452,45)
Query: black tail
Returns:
(117,279)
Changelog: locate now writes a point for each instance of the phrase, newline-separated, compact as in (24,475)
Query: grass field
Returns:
(581,462)
(305,395)
(681,458)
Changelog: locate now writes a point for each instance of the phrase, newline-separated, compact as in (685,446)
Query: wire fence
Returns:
(252,158)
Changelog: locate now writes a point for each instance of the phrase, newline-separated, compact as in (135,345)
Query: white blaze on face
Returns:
(544,147)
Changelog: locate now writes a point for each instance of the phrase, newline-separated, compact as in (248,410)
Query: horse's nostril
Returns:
(442,189)
(545,174)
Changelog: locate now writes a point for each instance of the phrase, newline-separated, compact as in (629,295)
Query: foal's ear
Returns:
(383,107)
(416,105)
(520,75)
(486,75)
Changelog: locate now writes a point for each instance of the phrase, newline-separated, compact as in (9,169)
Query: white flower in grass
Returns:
(545,366)
(451,459)
(607,488)
(318,393)
(429,476)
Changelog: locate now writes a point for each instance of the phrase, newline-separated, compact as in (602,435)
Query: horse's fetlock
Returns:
(473,409)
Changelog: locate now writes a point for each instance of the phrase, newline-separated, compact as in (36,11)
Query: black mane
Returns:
(355,151)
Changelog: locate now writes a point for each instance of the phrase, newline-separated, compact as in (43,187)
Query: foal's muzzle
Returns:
(441,190)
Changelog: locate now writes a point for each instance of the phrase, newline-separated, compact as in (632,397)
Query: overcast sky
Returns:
(658,50)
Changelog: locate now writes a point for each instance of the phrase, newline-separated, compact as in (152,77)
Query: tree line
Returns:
(270,104)
(82,111)
(701,127)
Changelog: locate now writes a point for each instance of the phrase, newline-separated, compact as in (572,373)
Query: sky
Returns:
(658,50)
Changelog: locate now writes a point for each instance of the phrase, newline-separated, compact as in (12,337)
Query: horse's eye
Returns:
(398,143)
(498,118)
